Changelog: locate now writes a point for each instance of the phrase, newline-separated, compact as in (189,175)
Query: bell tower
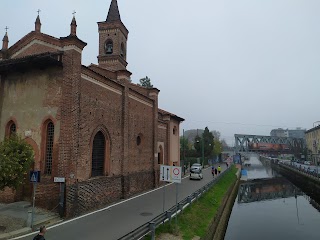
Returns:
(113,36)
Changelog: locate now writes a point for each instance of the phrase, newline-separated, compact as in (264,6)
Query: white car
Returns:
(196,173)
(196,165)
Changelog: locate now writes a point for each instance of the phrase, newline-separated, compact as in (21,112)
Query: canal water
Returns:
(268,206)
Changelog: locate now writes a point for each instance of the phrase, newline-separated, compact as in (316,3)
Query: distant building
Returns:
(277,132)
(292,133)
(313,143)
(296,133)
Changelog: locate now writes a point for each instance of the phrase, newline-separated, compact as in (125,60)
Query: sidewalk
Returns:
(14,219)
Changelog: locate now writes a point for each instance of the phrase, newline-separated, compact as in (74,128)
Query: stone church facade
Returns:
(88,124)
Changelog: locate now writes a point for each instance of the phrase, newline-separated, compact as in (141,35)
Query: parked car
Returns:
(196,173)
(196,165)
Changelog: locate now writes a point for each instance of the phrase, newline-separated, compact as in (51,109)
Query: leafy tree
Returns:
(208,143)
(146,82)
(184,144)
(208,138)
(217,150)
(197,144)
(16,156)
(216,135)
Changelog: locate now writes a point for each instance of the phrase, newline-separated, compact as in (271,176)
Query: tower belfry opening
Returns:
(113,36)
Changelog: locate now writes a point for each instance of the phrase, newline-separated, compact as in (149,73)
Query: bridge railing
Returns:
(305,170)
(150,227)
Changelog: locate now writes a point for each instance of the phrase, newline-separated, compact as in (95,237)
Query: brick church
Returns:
(87,124)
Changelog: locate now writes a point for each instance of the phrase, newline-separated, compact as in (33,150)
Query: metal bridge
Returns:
(256,143)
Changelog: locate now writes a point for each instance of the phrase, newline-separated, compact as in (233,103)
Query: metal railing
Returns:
(305,170)
(169,214)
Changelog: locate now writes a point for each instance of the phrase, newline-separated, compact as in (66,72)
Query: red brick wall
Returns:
(163,137)
(35,49)
(140,123)
(8,195)
(92,194)
(140,181)
(31,98)
(99,107)
(47,194)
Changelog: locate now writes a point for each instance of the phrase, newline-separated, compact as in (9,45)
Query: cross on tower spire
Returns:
(39,11)
(74,12)
(6,28)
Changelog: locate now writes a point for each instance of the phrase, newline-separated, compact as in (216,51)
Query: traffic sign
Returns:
(165,173)
(34,176)
(59,179)
(170,174)
(176,174)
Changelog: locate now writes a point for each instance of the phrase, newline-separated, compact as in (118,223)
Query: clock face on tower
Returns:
(108,47)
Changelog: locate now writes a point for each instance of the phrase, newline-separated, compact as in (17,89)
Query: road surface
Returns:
(121,218)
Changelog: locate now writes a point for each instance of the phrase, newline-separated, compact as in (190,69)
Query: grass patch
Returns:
(195,220)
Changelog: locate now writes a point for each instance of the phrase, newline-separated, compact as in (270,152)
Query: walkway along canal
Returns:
(269,206)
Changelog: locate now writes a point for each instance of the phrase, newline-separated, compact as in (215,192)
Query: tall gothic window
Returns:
(12,129)
(98,154)
(109,47)
(49,148)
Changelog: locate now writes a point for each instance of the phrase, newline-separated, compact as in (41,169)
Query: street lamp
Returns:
(202,150)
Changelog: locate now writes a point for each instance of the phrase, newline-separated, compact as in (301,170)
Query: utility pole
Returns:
(184,155)
(202,141)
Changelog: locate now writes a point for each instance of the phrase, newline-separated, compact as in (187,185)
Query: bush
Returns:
(16,157)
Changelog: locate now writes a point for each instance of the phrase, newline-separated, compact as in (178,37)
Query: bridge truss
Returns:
(243,143)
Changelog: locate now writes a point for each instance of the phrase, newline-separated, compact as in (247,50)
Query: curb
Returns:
(15,233)
(52,220)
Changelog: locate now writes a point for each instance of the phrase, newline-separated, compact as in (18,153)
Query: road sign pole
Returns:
(176,203)
(33,203)
(164,197)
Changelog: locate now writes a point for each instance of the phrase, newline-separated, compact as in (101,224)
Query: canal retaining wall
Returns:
(306,182)
(218,226)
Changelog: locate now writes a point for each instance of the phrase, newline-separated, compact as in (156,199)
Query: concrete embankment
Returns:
(218,226)
(308,183)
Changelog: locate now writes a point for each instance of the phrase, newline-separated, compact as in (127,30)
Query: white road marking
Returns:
(100,210)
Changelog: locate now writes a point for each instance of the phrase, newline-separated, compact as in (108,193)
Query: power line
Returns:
(237,123)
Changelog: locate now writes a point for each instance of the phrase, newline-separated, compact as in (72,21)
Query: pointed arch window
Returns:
(11,128)
(49,148)
(108,47)
(98,155)
(160,155)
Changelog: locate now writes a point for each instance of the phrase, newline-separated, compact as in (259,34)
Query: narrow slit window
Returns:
(49,148)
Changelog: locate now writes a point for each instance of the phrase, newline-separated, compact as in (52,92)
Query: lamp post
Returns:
(202,149)
(202,146)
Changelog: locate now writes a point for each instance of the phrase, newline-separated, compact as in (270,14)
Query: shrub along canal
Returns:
(269,206)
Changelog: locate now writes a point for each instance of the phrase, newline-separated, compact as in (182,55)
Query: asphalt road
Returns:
(122,218)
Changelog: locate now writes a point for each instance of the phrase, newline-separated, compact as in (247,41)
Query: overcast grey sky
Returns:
(216,62)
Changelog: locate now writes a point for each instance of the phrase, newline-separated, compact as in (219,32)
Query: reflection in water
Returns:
(266,189)
(268,206)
